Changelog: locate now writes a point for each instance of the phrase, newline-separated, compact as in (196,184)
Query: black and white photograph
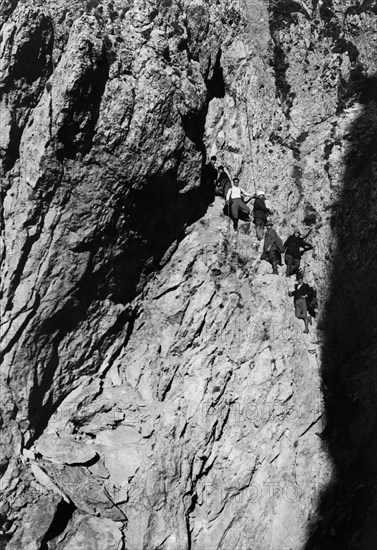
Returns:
(188,291)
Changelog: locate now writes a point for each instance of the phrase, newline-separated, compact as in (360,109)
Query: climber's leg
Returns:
(288,260)
(235,210)
(295,266)
(306,321)
(260,232)
(273,261)
(301,312)
(259,228)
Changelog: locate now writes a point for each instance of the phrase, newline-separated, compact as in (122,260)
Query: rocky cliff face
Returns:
(156,389)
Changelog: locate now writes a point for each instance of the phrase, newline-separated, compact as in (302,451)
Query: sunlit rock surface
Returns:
(156,388)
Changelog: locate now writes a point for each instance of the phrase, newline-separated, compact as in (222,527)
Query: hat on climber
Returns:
(297,232)
(261,193)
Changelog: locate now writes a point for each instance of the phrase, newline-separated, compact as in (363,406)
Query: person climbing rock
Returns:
(235,202)
(293,253)
(223,183)
(260,214)
(209,177)
(272,247)
(301,292)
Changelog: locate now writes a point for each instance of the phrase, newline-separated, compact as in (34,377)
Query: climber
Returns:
(235,202)
(223,183)
(260,214)
(209,177)
(293,253)
(300,294)
(272,247)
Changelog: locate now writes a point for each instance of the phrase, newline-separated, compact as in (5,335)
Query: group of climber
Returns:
(304,296)
(294,247)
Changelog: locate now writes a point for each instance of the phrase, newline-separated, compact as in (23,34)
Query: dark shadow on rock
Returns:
(23,83)
(216,84)
(208,181)
(77,130)
(147,227)
(347,513)
(147,224)
(63,515)
(159,215)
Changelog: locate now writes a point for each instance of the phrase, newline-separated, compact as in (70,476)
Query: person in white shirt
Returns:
(235,202)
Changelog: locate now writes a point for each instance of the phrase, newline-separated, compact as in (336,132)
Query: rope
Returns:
(247,114)
(250,146)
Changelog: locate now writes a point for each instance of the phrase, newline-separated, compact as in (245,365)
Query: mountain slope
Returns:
(156,389)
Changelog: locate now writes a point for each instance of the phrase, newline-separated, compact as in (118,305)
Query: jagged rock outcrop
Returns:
(156,389)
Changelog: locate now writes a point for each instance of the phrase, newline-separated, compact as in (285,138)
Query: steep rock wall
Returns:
(157,391)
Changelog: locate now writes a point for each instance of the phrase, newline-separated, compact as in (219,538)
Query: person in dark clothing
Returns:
(300,294)
(223,183)
(293,253)
(260,214)
(312,302)
(235,201)
(209,177)
(272,248)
